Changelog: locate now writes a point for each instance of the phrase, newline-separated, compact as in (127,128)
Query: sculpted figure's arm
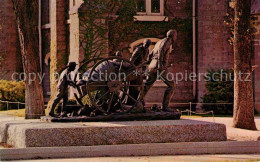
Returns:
(69,81)
(161,61)
(135,55)
(150,57)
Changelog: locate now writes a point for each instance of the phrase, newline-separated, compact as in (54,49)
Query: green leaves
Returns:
(220,87)
(12,91)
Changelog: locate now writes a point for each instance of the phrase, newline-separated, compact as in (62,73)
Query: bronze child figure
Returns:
(62,89)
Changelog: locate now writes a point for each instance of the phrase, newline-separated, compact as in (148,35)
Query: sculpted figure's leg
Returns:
(168,93)
(149,83)
(152,76)
(55,103)
(65,101)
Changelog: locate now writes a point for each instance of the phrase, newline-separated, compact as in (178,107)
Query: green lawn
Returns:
(19,113)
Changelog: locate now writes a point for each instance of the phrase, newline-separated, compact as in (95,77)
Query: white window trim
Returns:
(148,8)
(74,8)
(150,18)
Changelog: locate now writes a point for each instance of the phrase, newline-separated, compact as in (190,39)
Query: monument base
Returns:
(117,117)
(41,134)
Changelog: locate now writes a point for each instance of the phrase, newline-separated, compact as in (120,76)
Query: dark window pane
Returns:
(141,6)
(156,6)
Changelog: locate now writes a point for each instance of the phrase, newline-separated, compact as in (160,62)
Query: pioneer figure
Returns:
(141,52)
(158,65)
(62,89)
(139,56)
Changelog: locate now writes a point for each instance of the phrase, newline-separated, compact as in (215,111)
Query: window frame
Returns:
(148,7)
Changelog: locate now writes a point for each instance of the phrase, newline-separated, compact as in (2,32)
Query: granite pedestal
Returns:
(22,134)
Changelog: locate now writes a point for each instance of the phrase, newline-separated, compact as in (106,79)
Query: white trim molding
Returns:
(148,9)
(148,15)
(151,18)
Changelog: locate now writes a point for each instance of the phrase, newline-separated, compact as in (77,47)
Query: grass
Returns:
(19,113)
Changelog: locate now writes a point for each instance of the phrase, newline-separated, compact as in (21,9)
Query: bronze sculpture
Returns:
(158,65)
(141,52)
(139,57)
(109,95)
(62,89)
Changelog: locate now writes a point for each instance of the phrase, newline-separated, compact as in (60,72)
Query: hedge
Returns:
(12,91)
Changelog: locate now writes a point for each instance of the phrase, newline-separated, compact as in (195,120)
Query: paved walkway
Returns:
(161,158)
(9,118)
(235,133)
(4,118)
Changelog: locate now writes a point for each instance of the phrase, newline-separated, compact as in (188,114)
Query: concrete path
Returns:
(9,118)
(6,118)
(161,158)
(235,134)
(133,150)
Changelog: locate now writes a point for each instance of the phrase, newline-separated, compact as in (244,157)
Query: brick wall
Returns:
(214,52)
(255,7)
(9,43)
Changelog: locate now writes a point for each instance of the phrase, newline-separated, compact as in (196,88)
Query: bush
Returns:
(220,87)
(12,91)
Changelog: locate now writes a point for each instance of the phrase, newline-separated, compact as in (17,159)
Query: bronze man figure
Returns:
(158,65)
(64,82)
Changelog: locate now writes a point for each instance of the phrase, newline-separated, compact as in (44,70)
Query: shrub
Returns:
(12,91)
(220,87)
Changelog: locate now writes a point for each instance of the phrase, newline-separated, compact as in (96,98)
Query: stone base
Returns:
(117,117)
(41,134)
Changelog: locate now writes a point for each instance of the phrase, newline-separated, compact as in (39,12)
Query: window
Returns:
(141,6)
(155,6)
(150,7)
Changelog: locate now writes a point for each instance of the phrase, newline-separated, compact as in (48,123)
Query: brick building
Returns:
(10,59)
(63,38)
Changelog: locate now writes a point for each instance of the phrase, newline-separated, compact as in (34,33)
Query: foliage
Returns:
(229,22)
(93,26)
(112,21)
(12,91)
(220,87)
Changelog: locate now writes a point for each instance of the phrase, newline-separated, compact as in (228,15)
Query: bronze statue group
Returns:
(157,61)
